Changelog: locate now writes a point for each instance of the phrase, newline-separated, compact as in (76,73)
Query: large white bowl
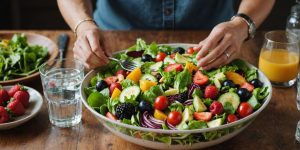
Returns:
(131,133)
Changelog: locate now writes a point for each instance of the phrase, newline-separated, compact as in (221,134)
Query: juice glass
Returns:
(279,58)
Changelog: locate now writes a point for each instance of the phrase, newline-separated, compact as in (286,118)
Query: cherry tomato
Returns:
(231,118)
(172,55)
(245,109)
(161,103)
(113,86)
(204,116)
(190,50)
(160,56)
(122,72)
(171,67)
(111,79)
(174,118)
(247,86)
(216,108)
(200,78)
(111,116)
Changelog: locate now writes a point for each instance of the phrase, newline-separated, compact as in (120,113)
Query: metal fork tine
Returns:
(126,64)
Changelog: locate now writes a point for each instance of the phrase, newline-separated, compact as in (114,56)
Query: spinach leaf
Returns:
(182,80)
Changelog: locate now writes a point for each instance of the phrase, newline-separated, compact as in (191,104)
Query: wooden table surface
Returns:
(273,129)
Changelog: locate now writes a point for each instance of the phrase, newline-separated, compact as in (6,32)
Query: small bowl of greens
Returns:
(21,54)
(167,102)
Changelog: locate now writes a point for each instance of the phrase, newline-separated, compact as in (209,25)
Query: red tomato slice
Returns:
(200,78)
(204,116)
(171,67)
(111,79)
(111,116)
(247,86)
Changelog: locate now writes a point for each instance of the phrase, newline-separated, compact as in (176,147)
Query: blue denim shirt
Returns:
(162,14)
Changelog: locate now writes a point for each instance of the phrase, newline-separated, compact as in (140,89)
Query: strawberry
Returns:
(4,117)
(16,108)
(23,97)
(14,89)
(211,92)
(4,97)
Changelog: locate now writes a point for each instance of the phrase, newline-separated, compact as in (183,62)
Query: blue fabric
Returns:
(162,14)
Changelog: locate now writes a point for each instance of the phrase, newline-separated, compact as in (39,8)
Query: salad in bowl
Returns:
(168,102)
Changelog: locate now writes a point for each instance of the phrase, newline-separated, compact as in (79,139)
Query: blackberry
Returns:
(125,110)
(182,97)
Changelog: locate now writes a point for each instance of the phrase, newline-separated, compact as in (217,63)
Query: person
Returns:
(222,45)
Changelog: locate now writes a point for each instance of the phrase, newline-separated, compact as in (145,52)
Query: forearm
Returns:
(75,11)
(257,10)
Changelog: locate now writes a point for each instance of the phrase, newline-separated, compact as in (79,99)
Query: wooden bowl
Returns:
(32,39)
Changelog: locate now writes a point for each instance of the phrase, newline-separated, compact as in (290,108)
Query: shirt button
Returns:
(168,11)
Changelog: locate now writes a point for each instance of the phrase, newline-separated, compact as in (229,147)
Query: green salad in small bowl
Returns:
(167,102)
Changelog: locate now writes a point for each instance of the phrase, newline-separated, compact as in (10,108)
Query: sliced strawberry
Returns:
(23,97)
(111,79)
(16,108)
(4,117)
(200,78)
(204,116)
(14,89)
(171,67)
(211,92)
(4,97)
(247,86)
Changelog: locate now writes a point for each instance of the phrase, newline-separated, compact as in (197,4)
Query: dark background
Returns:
(44,14)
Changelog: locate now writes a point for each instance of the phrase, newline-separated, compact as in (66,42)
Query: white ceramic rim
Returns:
(240,121)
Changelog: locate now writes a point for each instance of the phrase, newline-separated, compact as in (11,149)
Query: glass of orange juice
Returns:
(279,58)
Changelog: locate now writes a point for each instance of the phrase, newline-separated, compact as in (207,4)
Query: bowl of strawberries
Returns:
(18,104)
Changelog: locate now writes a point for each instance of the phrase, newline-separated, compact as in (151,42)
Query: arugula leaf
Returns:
(152,93)
(260,93)
(207,102)
(126,83)
(251,74)
(197,124)
(112,104)
(182,80)
(146,67)
(197,92)
(169,78)
(228,108)
(176,106)
(240,64)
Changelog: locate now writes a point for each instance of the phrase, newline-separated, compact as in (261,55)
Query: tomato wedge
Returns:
(204,116)
(200,78)
(110,80)
(171,67)
(247,86)
(111,116)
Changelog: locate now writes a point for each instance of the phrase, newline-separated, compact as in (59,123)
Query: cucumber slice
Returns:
(129,92)
(187,115)
(156,66)
(231,98)
(180,59)
(215,123)
(254,102)
(169,60)
(149,77)
(198,104)
(171,92)
(138,61)
(217,83)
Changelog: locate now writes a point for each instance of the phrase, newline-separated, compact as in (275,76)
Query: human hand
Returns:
(222,45)
(87,47)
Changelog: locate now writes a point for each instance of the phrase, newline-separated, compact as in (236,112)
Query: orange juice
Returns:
(279,65)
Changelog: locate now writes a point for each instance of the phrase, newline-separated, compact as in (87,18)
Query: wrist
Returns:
(84,25)
(241,25)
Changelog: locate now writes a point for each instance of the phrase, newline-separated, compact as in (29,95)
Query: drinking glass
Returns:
(279,58)
(61,81)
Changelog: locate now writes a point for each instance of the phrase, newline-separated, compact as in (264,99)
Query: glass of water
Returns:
(61,81)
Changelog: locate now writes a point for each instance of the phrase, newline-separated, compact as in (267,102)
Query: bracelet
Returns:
(80,22)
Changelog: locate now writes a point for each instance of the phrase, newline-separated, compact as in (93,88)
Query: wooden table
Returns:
(273,129)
